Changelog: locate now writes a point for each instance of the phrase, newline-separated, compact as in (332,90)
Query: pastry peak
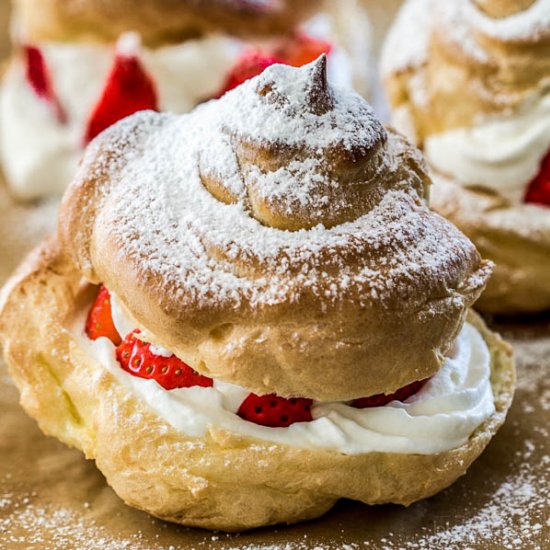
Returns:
(524,21)
(288,106)
(292,149)
(311,92)
(492,53)
(480,28)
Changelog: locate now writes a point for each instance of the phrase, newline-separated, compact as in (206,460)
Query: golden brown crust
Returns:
(471,61)
(515,237)
(381,297)
(221,481)
(158,21)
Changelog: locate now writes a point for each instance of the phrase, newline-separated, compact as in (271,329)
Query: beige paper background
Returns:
(51,497)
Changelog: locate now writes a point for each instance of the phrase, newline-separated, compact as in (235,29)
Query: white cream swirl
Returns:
(441,416)
(502,154)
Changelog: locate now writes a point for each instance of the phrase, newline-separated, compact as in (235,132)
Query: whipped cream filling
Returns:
(503,154)
(40,156)
(441,416)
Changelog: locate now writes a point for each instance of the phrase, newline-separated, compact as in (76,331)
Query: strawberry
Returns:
(38,77)
(274,411)
(250,64)
(128,89)
(302,49)
(380,399)
(100,320)
(538,191)
(136,357)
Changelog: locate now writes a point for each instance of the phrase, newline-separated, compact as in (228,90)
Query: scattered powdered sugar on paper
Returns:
(533,372)
(51,528)
(502,523)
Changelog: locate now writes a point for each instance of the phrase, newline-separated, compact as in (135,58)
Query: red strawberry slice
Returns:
(538,191)
(250,64)
(100,319)
(136,357)
(303,49)
(380,399)
(274,411)
(129,89)
(38,77)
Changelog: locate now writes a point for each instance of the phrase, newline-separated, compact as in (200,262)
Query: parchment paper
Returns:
(51,497)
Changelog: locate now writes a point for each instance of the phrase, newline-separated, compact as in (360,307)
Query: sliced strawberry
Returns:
(380,399)
(38,77)
(129,89)
(538,191)
(302,49)
(274,411)
(100,319)
(136,357)
(250,64)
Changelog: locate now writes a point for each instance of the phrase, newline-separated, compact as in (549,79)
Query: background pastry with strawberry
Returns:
(469,80)
(79,66)
(250,312)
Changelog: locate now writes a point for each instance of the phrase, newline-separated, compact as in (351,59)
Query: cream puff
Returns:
(80,66)
(469,81)
(250,312)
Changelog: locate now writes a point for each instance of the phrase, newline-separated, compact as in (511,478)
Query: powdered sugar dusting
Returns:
(411,28)
(502,522)
(212,252)
(460,21)
(49,528)
(344,117)
(463,21)
(530,24)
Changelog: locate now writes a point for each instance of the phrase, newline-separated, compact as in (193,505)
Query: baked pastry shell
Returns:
(515,237)
(157,21)
(220,481)
(509,74)
(479,75)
